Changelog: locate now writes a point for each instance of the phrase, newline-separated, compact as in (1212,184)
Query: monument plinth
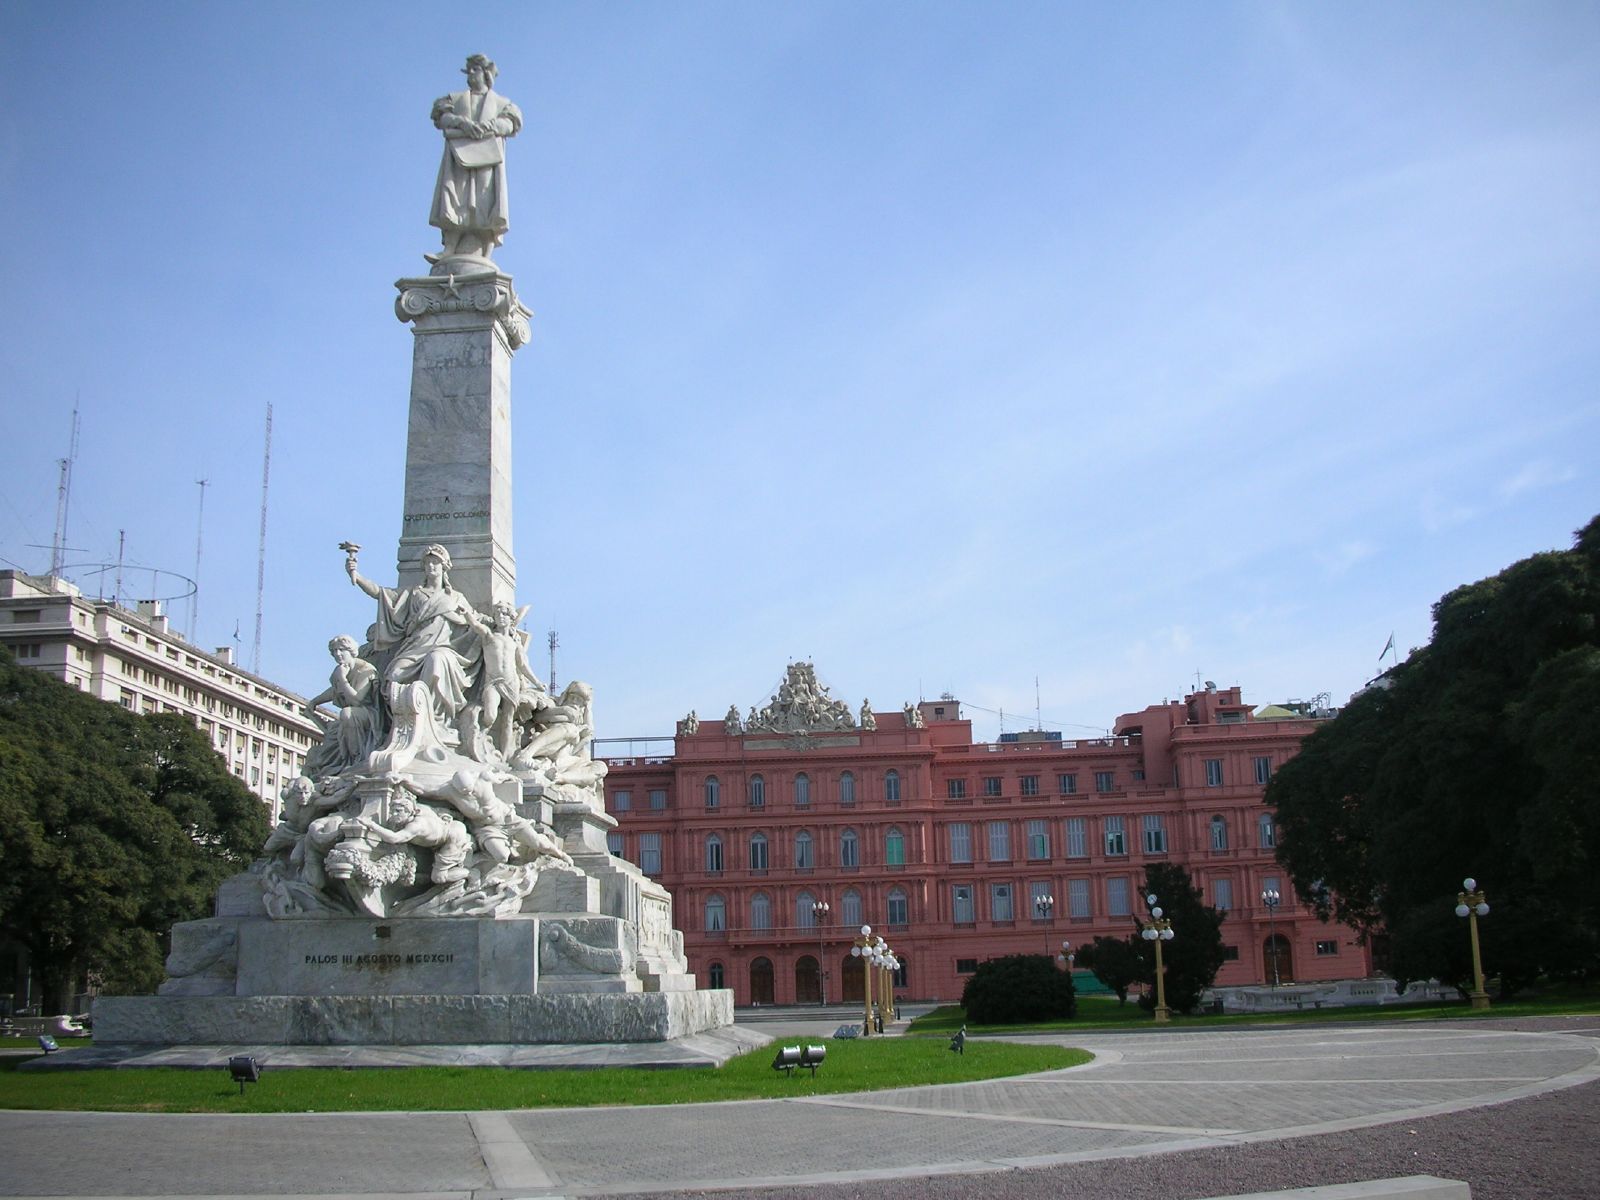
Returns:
(441,874)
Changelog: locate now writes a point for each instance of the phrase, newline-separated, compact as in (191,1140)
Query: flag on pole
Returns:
(1387,646)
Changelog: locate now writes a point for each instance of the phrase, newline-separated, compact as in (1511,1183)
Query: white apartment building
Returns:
(133,659)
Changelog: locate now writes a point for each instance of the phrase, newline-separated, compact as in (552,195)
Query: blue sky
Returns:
(949,345)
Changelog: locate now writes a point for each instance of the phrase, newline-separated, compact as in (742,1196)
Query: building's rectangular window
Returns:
(1324,949)
(614,843)
(897,908)
(966,966)
(650,853)
(1219,833)
(1038,892)
(1029,785)
(758,853)
(1067,785)
(955,789)
(1155,833)
(1117,897)
(1213,772)
(1263,769)
(1038,839)
(961,908)
(1230,954)
(999,841)
(891,787)
(28,649)
(1000,902)
(621,801)
(1104,781)
(1116,837)
(1266,832)
(658,797)
(960,842)
(1222,894)
(1077,837)
(714,855)
(991,785)
(1078,899)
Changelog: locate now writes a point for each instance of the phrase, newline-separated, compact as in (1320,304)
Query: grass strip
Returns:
(1101,1014)
(851,1066)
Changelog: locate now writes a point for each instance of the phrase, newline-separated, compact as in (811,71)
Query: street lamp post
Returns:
(1272,898)
(1066,958)
(1159,930)
(1043,906)
(819,912)
(1471,903)
(862,948)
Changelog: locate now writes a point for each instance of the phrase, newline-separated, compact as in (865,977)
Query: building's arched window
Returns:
(761,911)
(715,975)
(713,853)
(894,848)
(802,790)
(847,788)
(891,785)
(1219,833)
(758,792)
(897,907)
(803,857)
(850,909)
(758,852)
(1266,832)
(716,914)
(804,916)
(713,791)
(849,849)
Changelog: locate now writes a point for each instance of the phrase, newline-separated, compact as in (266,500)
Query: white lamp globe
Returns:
(1462,910)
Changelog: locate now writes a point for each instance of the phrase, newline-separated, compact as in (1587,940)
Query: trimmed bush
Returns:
(1019,988)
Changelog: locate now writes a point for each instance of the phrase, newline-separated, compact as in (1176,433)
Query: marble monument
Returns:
(441,872)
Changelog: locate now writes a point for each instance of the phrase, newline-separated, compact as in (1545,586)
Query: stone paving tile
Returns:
(1515,1066)
(741,1141)
(311,1153)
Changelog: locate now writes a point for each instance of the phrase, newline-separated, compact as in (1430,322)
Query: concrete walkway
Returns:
(1146,1093)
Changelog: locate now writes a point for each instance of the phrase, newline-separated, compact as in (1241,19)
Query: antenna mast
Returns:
(122,539)
(58,546)
(199,531)
(261,545)
(555,640)
(1038,721)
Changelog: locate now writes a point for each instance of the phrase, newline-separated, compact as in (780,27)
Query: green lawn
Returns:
(851,1066)
(1104,1013)
(32,1043)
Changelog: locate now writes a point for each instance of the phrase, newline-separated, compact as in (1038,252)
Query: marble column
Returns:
(458,445)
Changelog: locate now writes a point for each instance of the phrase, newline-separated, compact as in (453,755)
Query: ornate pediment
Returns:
(801,705)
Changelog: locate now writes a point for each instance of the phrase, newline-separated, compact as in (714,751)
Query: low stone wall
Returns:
(409,1020)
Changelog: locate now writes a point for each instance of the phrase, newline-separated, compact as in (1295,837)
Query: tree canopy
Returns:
(1192,958)
(1019,988)
(1476,757)
(112,828)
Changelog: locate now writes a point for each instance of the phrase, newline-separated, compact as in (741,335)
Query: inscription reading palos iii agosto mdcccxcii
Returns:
(376,960)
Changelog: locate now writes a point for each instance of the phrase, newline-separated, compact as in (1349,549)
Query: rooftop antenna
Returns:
(554,640)
(58,545)
(261,545)
(122,541)
(1038,721)
(194,596)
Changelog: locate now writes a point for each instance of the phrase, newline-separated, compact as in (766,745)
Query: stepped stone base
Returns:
(410,1020)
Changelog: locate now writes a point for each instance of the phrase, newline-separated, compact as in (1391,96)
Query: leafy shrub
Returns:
(1019,988)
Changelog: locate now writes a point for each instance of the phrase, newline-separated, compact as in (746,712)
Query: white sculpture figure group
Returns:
(440,722)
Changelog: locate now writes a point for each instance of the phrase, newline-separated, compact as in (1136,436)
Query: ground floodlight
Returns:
(48,1043)
(812,1057)
(244,1069)
(787,1059)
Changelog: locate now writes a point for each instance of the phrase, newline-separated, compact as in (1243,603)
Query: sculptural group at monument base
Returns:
(417,801)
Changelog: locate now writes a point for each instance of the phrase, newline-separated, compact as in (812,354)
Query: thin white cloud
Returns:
(1539,474)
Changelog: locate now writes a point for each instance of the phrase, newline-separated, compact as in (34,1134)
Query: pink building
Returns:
(956,850)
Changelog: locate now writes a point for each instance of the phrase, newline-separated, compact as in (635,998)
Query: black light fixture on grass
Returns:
(244,1069)
(48,1043)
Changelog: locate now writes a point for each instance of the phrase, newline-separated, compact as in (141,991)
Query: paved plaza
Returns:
(1145,1094)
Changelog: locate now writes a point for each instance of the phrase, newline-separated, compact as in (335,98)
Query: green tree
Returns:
(1194,955)
(112,828)
(1018,988)
(1119,963)
(1474,757)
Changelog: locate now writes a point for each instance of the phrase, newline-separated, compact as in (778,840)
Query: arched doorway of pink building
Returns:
(852,986)
(1277,959)
(807,981)
(715,976)
(761,981)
